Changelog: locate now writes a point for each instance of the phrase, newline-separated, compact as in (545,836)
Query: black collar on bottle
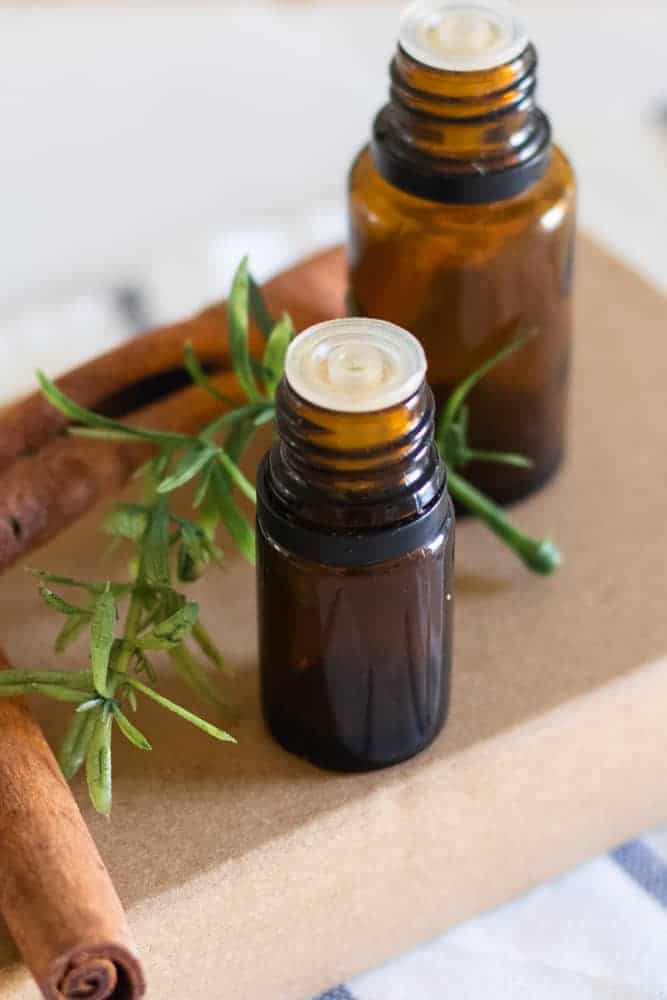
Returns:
(478,188)
(349,548)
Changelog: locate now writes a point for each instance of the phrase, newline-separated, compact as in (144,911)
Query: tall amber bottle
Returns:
(355,552)
(462,227)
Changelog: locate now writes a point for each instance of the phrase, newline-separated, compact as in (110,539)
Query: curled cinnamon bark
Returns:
(43,492)
(56,896)
(310,291)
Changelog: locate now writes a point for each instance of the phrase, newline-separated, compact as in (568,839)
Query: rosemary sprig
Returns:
(169,551)
(540,555)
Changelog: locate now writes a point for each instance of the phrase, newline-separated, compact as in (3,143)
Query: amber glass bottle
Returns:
(355,552)
(462,226)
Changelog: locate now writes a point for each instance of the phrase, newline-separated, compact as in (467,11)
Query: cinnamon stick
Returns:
(44,492)
(56,896)
(308,291)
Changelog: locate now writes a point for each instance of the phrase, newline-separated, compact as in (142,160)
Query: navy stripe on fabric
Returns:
(339,993)
(645,866)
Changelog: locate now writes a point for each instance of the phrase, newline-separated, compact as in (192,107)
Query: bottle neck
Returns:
(343,471)
(463,137)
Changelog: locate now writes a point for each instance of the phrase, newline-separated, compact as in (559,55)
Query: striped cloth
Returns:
(597,932)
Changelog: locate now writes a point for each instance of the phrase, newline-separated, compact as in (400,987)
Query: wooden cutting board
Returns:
(249,874)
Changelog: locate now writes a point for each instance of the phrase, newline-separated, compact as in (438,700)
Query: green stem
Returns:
(81,680)
(206,727)
(463,389)
(237,477)
(132,629)
(208,646)
(499,457)
(541,556)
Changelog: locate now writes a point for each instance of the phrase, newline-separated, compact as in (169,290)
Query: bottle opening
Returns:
(355,365)
(462,37)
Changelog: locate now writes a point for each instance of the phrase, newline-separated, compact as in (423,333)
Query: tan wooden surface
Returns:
(247,873)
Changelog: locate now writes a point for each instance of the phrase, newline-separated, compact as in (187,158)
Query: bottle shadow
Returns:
(471,584)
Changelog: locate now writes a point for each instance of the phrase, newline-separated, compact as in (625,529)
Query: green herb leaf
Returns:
(127,520)
(105,433)
(170,602)
(266,417)
(259,309)
(238,528)
(196,677)
(93,703)
(117,589)
(193,461)
(499,457)
(463,390)
(155,562)
(82,681)
(237,316)
(195,370)
(143,664)
(208,647)
(63,581)
(238,440)
(258,369)
(202,488)
(194,538)
(195,553)
(130,731)
(98,762)
(232,517)
(59,605)
(79,414)
(55,691)
(155,468)
(183,713)
(75,744)
(102,630)
(187,569)
(71,631)
(237,477)
(173,630)
(240,414)
(274,355)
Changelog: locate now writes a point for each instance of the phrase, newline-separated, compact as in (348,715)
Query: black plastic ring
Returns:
(458,189)
(349,548)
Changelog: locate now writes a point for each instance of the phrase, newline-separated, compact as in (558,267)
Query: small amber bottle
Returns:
(355,547)
(462,226)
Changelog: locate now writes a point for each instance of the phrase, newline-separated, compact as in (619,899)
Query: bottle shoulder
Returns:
(371,195)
